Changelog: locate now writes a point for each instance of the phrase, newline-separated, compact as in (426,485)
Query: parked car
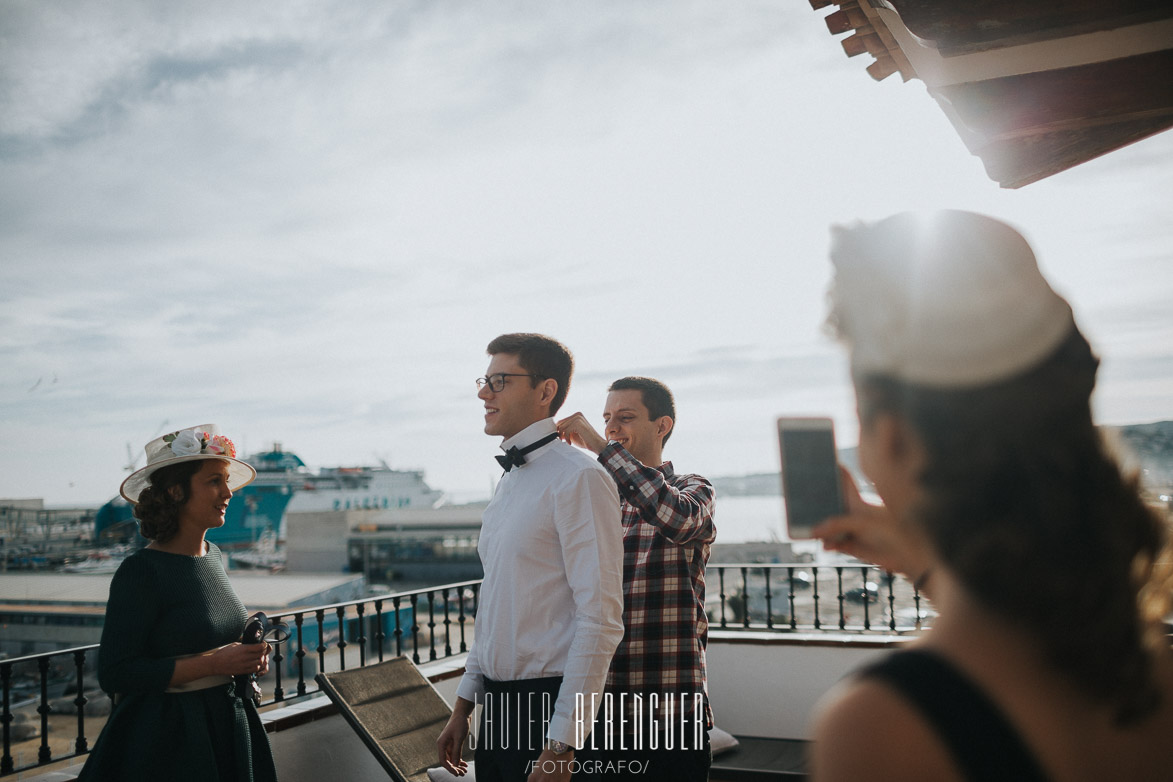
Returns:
(868,593)
(799,581)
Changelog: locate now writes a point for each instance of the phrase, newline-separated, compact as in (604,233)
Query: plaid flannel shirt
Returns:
(667,530)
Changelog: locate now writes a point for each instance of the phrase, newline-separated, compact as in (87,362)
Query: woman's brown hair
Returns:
(158,506)
(1026,506)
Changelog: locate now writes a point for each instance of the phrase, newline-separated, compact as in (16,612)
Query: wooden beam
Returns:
(981,25)
(1016,162)
(1129,88)
(849,17)
(838,22)
(882,68)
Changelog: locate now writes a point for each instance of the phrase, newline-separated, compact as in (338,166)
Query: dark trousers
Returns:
(512,728)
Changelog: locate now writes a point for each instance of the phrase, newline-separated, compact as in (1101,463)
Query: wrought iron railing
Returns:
(392,626)
(813,598)
(437,622)
(424,624)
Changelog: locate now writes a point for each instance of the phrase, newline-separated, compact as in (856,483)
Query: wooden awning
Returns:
(1032,88)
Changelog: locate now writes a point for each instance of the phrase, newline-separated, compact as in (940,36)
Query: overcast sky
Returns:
(305,220)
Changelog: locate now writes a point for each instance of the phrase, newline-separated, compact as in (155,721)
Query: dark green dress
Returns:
(164,606)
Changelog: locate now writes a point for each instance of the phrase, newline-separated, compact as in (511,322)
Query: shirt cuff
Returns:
(565,730)
(471,687)
(609,451)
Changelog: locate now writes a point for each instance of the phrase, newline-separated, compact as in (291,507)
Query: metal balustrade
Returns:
(437,622)
(382,626)
(813,598)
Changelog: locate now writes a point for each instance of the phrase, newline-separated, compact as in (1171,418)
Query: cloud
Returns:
(305,220)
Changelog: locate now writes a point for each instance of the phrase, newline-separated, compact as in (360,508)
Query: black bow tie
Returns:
(515,457)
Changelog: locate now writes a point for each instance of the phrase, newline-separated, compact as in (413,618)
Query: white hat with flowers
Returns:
(186,445)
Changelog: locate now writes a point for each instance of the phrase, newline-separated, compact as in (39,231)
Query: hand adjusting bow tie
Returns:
(515,457)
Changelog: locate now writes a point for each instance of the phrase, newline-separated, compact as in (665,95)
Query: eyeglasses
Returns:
(496,383)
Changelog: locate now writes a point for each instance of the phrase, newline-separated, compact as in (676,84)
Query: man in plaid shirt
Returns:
(659,668)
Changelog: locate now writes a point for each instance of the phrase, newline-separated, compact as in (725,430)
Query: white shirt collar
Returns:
(531,434)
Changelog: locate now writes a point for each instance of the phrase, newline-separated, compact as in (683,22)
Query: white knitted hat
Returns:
(948,299)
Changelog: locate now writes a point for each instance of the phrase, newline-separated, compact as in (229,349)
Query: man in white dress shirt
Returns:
(551,606)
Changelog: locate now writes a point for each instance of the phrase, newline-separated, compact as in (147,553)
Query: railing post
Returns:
(320,615)
(380,636)
(842,598)
(300,655)
(44,754)
(79,658)
(278,658)
(790,596)
(431,626)
(815,594)
(6,761)
(769,601)
(867,598)
(745,597)
(398,629)
(721,592)
(340,612)
(891,579)
(447,627)
(916,605)
(415,629)
(460,621)
(362,637)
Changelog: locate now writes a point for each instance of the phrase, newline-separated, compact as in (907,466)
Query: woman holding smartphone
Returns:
(1048,659)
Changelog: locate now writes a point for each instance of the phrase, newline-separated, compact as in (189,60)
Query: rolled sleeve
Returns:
(681,513)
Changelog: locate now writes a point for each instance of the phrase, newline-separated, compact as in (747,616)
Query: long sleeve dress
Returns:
(163,606)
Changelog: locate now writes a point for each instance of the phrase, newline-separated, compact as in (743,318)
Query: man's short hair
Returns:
(540,355)
(656,397)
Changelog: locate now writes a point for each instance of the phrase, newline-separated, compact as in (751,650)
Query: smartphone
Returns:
(810,473)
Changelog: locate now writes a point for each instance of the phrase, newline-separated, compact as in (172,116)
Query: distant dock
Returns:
(33,537)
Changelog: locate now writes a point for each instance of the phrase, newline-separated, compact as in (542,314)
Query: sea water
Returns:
(757,518)
(749,519)
(739,519)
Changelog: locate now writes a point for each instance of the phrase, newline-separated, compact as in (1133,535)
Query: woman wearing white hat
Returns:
(1050,575)
(170,640)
